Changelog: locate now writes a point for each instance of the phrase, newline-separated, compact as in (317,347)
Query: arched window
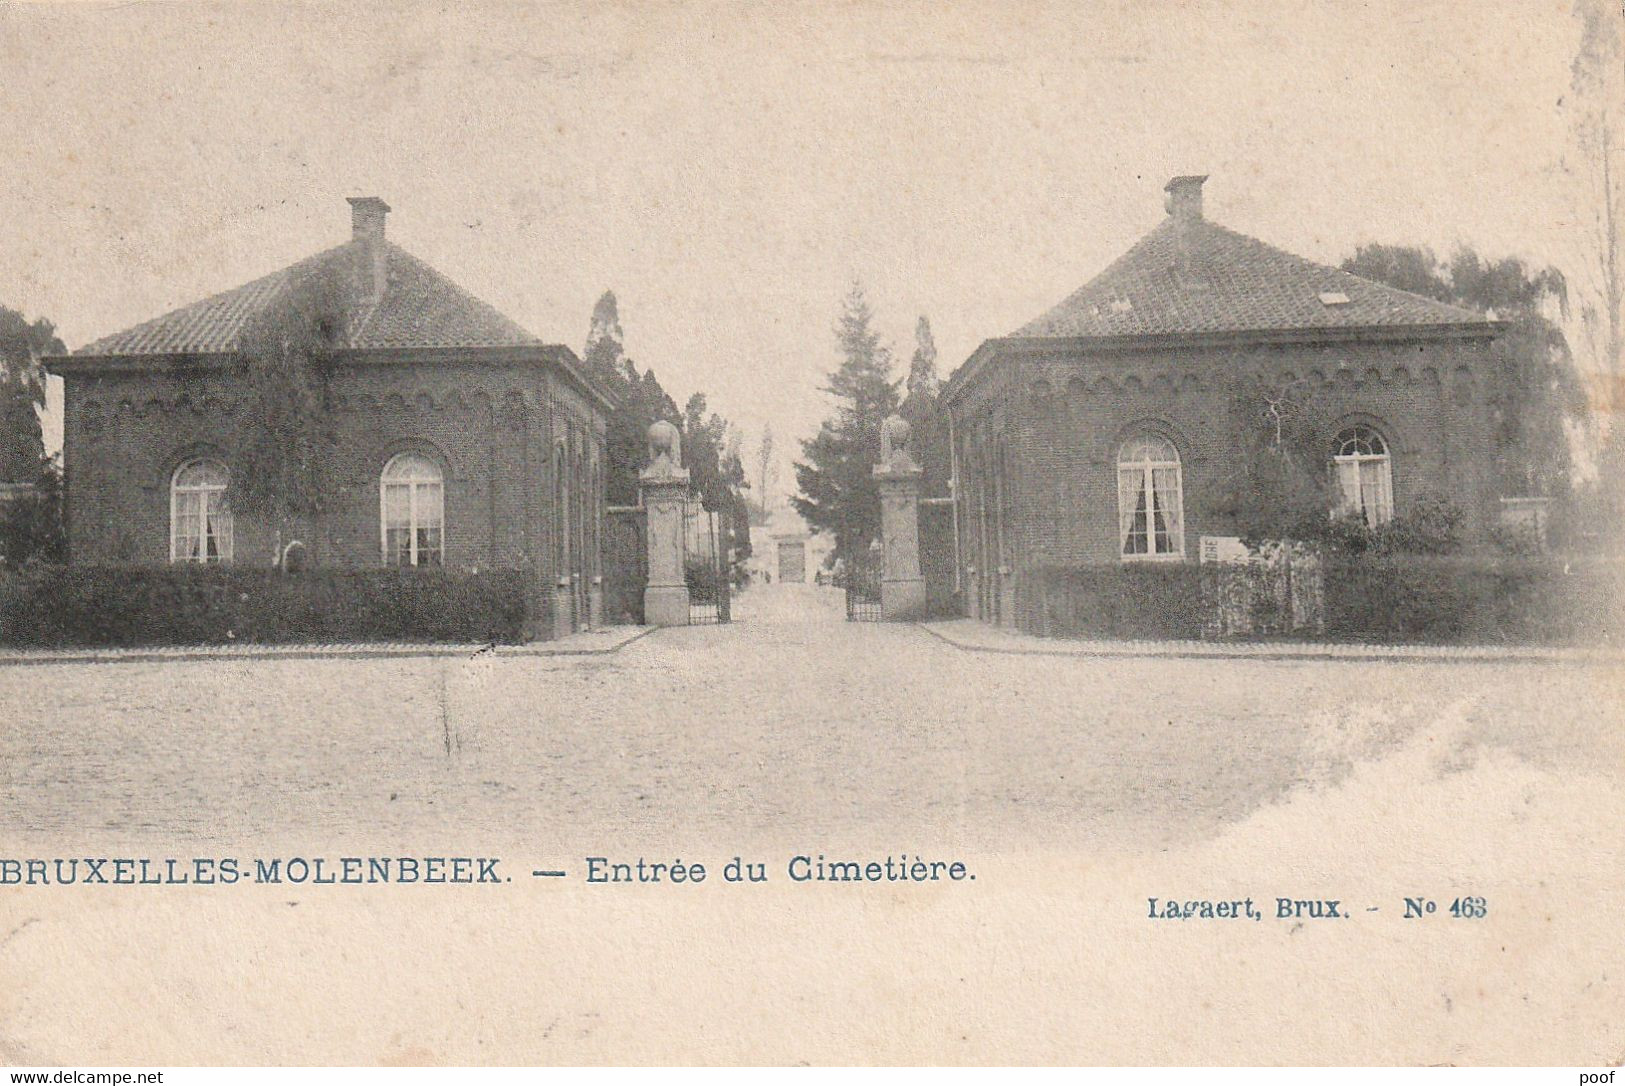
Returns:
(199,517)
(412,511)
(1150,511)
(1362,476)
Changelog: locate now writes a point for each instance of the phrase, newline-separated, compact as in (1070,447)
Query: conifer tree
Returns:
(928,429)
(922,370)
(838,492)
(605,352)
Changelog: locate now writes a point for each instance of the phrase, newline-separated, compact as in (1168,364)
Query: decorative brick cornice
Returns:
(1015,349)
(556,356)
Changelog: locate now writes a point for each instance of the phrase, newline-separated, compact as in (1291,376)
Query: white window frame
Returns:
(422,475)
(212,509)
(1145,468)
(1357,447)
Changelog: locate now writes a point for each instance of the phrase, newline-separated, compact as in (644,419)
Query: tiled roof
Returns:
(418,308)
(1228,282)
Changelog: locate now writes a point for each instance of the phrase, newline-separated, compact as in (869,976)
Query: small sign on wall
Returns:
(1224,548)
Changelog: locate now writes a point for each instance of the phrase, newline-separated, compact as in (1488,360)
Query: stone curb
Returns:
(336,651)
(1026,645)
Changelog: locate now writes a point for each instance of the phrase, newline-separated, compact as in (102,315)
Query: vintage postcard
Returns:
(812,533)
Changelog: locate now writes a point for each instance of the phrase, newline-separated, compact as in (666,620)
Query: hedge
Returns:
(1147,601)
(1465,600)
(180,605)
(1413,598)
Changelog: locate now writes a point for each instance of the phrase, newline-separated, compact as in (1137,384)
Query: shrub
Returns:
(1521,539)
(174,605)
(1146,601)
(31,528)
(703,580)
(1431,526)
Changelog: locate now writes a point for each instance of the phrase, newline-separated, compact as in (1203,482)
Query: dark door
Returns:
(792,563)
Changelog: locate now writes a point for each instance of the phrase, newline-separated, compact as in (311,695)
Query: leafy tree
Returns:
(1534,386)
(711,453)
(288,352)
(22,392)
(1596,109)
(710,445)
(731,469)
(31,526)
(704,440)
(838,492)
(1596,106)
(1279,487)
(1407,267)
(643,401)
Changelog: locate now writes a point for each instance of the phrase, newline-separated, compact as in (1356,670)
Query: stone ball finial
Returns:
(665,441)
(893,437)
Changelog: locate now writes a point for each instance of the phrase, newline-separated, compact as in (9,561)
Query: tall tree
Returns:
(605,351)
(30,526)
(642,402)
(922,368)
(710,445)
(1597,109)
(927,428)
(838,492)
(711,453)
(22,392)
(1535,389)
(1408,267)
(767,471)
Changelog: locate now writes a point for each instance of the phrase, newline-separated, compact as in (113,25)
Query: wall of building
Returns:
(1038,440)
(491,428)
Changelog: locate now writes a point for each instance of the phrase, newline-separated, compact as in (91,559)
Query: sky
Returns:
(730,169)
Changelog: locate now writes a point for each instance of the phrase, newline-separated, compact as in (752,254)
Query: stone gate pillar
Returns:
(902,589)
(664,485)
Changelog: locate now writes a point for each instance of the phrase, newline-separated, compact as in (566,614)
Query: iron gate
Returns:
(860,577)
(707,564)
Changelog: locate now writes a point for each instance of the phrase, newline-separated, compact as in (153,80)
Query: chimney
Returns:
(1184,204)
(367,218)
(367,226)
(1184,200)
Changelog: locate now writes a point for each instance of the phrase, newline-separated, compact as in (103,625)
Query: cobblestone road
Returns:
(788,722)
(1074,788)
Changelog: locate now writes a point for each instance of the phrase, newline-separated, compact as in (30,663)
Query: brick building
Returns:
(1101,431)
(457,439)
